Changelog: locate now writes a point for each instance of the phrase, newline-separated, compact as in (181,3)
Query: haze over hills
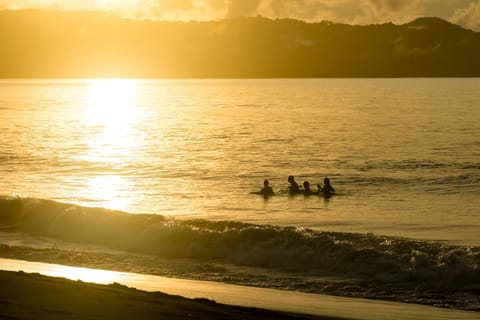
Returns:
(93,44)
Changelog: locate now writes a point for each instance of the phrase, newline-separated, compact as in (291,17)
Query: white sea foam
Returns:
(375,262)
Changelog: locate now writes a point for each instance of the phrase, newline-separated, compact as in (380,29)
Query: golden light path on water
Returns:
(112,113)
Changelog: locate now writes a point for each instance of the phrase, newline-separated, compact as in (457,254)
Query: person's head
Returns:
(291,179)
(265,182)
(306,184)
(326,181)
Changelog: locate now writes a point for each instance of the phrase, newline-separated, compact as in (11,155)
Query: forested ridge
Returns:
(93,44)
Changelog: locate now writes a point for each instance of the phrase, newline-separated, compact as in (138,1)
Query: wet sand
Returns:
(34,296)
(288,304)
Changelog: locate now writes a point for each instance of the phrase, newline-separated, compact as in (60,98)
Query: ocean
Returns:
(157,176)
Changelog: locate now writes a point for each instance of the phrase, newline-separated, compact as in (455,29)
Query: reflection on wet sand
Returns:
(248,296)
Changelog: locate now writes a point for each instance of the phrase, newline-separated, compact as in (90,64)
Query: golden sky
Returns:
(463,12)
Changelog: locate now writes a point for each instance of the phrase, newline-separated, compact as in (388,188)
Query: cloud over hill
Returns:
(92,44)
(463,12)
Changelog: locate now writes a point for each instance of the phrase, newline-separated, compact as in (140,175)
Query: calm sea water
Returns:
(402,154)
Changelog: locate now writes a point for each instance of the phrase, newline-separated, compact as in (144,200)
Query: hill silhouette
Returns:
(93,44)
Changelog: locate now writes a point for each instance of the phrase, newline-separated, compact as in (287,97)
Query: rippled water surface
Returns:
(403,154)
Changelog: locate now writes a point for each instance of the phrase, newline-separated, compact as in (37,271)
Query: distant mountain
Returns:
(91,44)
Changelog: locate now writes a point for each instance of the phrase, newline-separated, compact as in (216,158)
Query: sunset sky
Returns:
(463,12)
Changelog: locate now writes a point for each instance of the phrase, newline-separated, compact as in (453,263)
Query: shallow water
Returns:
(401,153)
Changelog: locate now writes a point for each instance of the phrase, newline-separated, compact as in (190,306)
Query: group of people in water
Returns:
(293,189)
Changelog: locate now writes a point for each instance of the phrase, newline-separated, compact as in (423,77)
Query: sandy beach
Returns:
(48,290)
(33,296)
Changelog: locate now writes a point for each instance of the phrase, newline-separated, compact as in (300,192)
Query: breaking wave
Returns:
(271,247)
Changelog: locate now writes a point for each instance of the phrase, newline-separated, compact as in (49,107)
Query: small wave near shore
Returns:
(377,261)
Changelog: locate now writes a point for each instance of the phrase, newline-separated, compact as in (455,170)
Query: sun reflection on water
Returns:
(112,102)
(83,274)
(109,191)
(112,118)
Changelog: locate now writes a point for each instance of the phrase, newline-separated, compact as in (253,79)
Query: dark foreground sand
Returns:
(33,296)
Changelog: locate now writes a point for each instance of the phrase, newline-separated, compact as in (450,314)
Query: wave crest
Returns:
(279,248)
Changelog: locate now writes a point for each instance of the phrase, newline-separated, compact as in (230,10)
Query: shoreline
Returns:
(34,296)
(323,306)
(464,298)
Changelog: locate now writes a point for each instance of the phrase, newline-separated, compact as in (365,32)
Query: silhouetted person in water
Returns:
(306,189)
(293,188)
(327,188)
(266,190)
